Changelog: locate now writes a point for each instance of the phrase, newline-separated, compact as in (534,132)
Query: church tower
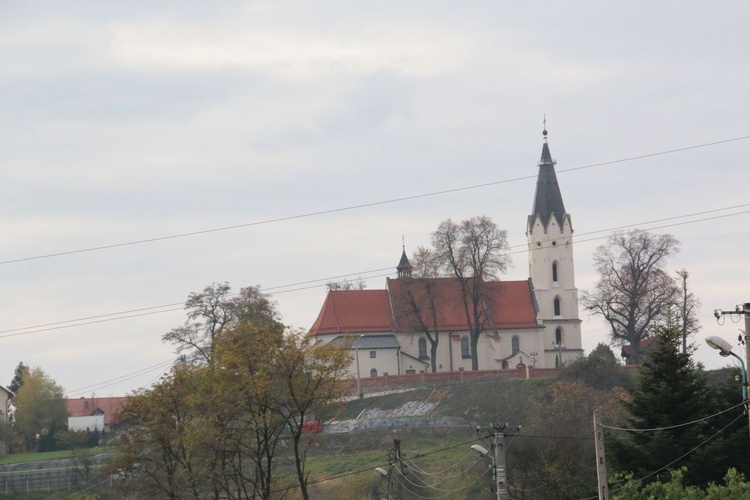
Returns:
(549,232)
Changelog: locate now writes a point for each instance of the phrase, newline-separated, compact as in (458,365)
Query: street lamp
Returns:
(498,484)
(386,474)
(725,349)
(485,453)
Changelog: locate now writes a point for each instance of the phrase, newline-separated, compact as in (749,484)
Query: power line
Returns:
(147,311)
(656,221)
(681,456)
(122,378)
(447,492)
(655,429)
(364,205)
(107,317)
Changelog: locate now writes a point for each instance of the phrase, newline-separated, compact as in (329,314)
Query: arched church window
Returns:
(422,348)
(557,306)
(558,336)
(465,350)
(554,272)
(373,372)
(515,345)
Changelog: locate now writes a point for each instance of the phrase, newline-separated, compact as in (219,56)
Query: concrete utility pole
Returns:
(356,355)
(741,310)
(499,472)
(601,461)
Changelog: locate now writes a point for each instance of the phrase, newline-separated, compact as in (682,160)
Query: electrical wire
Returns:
(359,470)
(122,378)
(696,421)
(680,457)
(103,318)
(533,436)
(364,205)
(648,223)
(443,475)
(440,479)
(441,490)
(177,306)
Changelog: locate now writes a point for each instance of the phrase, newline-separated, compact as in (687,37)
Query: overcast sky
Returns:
(135,121)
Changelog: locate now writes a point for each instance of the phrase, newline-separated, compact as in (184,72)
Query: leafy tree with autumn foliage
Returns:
(553,455)
(40,410)
(599,370)
(735,487)
(212,428)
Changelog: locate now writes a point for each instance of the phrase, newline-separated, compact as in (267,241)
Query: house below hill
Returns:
(93,413)
(5,395)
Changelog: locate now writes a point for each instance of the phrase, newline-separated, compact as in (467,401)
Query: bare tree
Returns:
(634,291)
(473,251)
(688,305)
(214,309)
(417,300)
(358,284)
(425,263)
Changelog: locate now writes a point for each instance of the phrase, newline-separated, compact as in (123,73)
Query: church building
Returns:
(419,324)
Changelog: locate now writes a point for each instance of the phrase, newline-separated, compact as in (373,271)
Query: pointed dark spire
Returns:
(404,267)
(548,201)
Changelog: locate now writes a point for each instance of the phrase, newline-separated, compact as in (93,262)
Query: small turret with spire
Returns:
(404,267)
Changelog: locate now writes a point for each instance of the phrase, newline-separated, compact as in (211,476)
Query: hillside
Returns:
(435,426)
(467,404)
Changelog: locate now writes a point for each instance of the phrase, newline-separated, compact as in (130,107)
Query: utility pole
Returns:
(741,310)
(601,461)
(402,468)
(499,467)
(500,473)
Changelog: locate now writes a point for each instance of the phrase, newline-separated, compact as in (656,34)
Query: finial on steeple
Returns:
(403,243)
(544,132)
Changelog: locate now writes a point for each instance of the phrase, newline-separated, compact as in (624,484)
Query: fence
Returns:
(14,482)
(387,382)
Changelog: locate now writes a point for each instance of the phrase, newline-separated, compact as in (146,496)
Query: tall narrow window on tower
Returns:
(558,336)
(515,345)
(557,306)
(554,272)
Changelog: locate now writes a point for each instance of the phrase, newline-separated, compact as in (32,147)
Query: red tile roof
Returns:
(85,407)
(354,311)
(509,304)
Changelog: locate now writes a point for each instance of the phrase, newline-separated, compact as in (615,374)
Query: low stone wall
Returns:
(387,382)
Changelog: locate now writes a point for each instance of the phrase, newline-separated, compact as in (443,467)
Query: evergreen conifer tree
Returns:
(672,391)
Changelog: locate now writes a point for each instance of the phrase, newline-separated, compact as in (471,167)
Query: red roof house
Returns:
(87,407)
